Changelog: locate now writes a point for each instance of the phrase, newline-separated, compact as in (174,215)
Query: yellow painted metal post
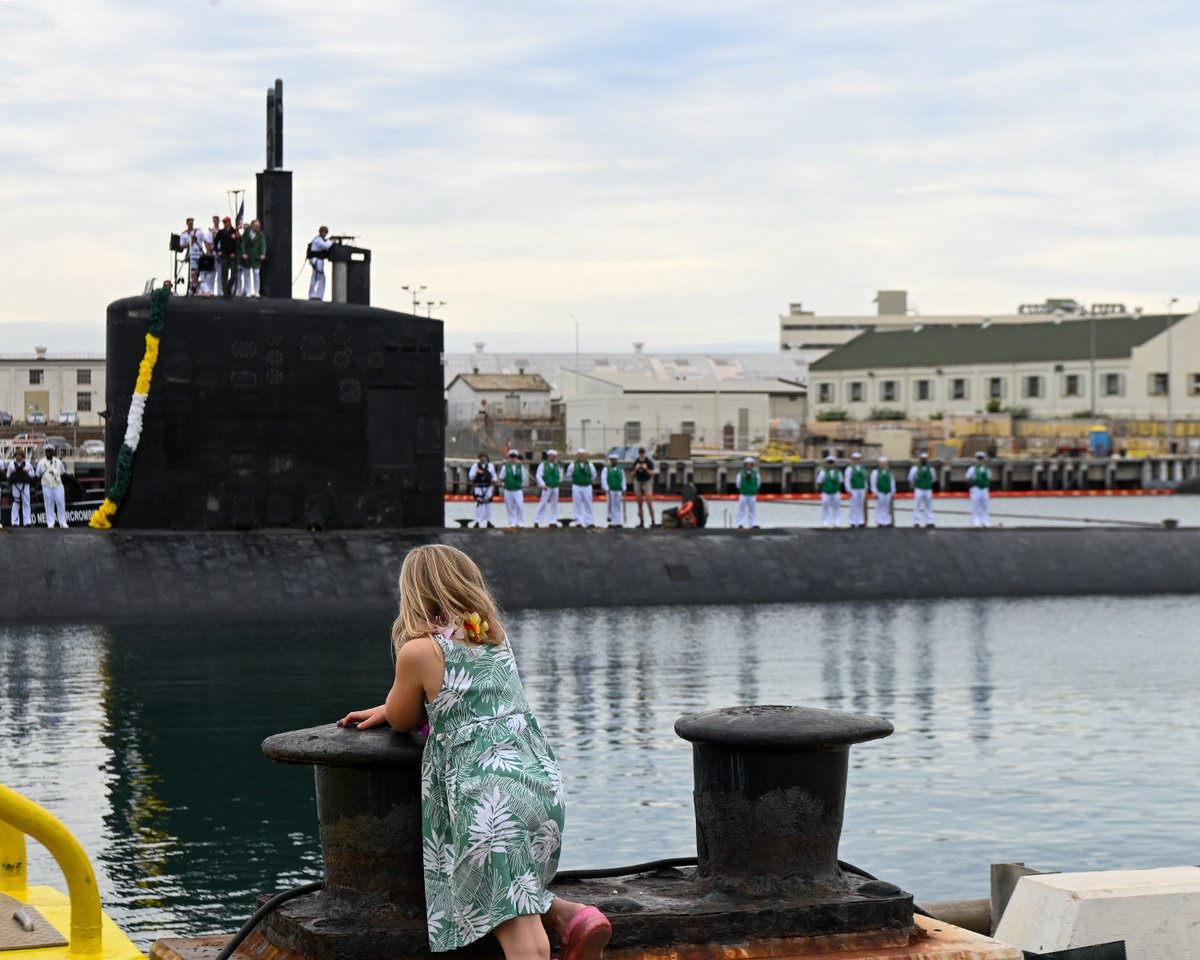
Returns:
(12,861)
(25,815)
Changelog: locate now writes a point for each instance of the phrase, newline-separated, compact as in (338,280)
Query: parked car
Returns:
(92,448)
(29,437)
(68,418)
(37,419)
(5,418)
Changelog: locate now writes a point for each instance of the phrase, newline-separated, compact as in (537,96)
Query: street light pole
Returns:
(1170,386)
(1092,363)
(415,290)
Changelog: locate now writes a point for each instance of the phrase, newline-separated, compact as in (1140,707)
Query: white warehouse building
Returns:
(50,385)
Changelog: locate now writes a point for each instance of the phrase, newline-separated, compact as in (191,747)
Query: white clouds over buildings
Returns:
(664,172)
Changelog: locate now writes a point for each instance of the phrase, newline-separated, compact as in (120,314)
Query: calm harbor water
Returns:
(1061,732)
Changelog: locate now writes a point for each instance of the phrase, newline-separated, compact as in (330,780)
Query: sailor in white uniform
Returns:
(513,480)
(20,472)
(829,482)
(922,478)
(856,486)
(319,245)
(979,476)
(612,482)
(583,475)
(549,479)
(482,476)
(50,468)
(883,485)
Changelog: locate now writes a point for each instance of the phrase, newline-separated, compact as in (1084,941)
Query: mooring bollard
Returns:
(369,809)
(770,792)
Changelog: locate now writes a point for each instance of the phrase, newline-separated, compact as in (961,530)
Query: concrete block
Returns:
(1156,912)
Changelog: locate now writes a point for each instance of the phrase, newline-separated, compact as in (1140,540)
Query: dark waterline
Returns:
(1060,732)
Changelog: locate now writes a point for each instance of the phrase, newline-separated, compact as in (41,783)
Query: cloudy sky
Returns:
(661,171)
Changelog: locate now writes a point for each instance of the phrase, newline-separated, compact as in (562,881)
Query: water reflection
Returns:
(146,741)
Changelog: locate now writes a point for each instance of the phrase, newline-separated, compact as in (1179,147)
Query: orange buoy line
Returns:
(816,497)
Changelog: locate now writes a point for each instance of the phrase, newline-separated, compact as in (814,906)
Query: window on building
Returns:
(688,427)
(83,401)
(1031,387)
(1157,386)
(997,388)
(36,377)
(825,393)
(924,389)
(1072,385)
(633,432)
(1114,385)
(858,391)
(889,391)
(958,389)
(83,377)
(1194,384)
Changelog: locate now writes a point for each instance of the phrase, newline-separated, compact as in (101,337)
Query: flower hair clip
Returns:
(474,629)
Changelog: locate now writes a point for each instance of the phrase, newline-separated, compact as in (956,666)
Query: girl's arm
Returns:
(419,672)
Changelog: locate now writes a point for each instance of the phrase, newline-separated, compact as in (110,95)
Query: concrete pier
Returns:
(92,577)
(800,476)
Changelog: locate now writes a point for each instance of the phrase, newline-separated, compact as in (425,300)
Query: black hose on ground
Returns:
(279,898)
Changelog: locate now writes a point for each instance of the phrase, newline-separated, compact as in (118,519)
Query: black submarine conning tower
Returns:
(275,412)
(275,203)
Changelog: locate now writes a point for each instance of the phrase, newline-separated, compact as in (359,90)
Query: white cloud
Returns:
(663,175)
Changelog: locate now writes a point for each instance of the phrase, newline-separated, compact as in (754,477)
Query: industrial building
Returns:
(40,384)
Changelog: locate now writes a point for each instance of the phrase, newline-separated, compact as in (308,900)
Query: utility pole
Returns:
(1170,385)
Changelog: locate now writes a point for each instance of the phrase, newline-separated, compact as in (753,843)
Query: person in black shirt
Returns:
(225,245)
(643,484)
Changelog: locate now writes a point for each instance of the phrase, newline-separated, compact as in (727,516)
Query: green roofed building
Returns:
(1052,368)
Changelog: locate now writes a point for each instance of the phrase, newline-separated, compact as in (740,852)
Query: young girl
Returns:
(491,790)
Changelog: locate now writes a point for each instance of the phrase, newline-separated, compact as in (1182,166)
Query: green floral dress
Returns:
(491,799)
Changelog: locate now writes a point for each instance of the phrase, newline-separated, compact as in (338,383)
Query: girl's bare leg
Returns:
(560,913)
(523,938)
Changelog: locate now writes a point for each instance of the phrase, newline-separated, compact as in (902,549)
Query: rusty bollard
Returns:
(369,809)
(770,790)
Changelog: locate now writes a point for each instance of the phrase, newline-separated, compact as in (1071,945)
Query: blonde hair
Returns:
(440,587)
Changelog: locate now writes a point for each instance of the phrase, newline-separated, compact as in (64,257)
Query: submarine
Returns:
(276,458)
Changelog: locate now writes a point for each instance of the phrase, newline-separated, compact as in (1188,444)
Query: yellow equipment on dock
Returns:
(41,923)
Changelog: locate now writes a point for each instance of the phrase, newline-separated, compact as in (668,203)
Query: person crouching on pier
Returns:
(583,475)
(883,485)
(20,475)
(612,482)
(979,476)
(856,486)
(50,468)
(513,480)
(492,802)
(829,482)
(482,477)
(549,479)
(921,478)
(749,482)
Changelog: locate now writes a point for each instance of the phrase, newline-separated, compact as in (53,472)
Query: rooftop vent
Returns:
(41,352)
(638,345)
(479,345)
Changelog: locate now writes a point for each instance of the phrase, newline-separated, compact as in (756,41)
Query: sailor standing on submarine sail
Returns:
(482,476)
(856,486)
(748,483)
(583,475)
(829,482)
(979,476)
(318,250)
(549,478)
(883,485)
(513,481)
(921,479)
(612,482)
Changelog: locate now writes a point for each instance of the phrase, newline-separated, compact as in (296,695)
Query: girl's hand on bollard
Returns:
(364,719)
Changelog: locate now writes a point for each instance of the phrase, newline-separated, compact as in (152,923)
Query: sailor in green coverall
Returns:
(549,478)
(922,478)
(883,485)
(512,478)
(748,483)
(980,479)
(856,486)
(612,482)
(829,482)
(583,475)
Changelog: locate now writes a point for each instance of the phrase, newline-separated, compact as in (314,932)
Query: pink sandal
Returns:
(585,936)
